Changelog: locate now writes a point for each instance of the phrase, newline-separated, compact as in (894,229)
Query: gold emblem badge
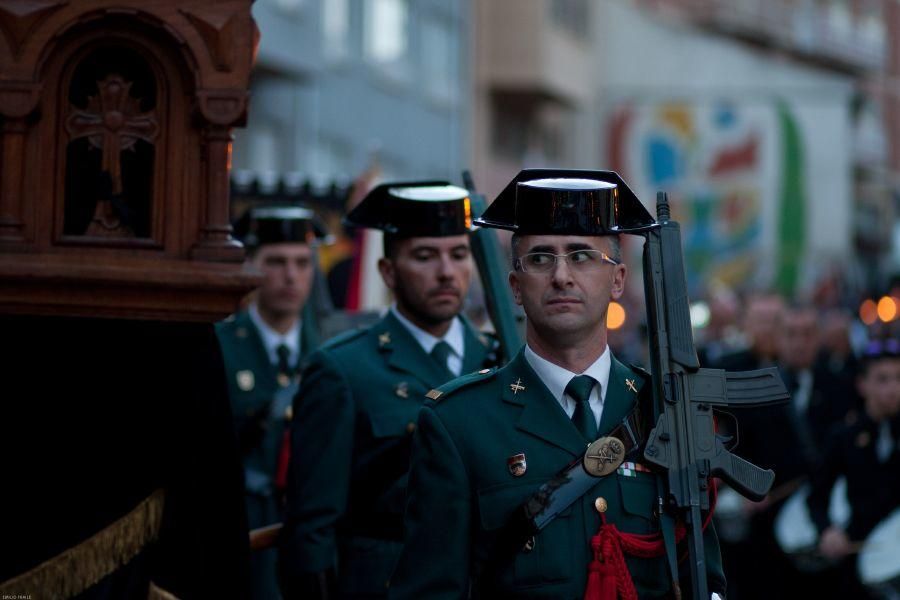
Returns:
(604,456)
(629,383)
(384,338)
(245,380)
(516,465)
(517,387)
(402,389)
(433,394)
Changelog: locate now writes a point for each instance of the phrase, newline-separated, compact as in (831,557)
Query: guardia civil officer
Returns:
(263,347)
(356,409)
(488,441)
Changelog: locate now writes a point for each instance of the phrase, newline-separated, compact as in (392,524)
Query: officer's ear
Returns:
(618,281)
(514,286)
(388,272)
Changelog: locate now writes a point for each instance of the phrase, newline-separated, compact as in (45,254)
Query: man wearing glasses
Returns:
(486,442)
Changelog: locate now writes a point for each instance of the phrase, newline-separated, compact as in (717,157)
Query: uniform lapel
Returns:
(403,352)
(541,415)
(621,394)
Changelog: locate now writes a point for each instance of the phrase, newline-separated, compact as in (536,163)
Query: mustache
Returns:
(443,289)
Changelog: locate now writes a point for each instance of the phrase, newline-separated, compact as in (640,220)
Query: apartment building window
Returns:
(440,60)
(386,34)
(571,15)
(336,29)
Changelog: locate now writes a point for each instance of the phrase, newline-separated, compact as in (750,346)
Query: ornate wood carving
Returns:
(112,123)
(217,26)
(18,17)
(66,132)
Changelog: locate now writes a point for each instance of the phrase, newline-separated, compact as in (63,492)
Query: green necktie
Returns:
(284,353)
(579,389)
(440,353)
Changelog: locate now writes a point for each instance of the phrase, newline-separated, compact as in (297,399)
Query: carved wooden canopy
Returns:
(115,140)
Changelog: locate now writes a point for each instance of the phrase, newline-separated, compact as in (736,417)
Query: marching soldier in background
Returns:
(356,410)
(867,453)
(486,442)
(263,346)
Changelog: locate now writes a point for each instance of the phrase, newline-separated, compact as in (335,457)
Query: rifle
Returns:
(684,441)
(504,313)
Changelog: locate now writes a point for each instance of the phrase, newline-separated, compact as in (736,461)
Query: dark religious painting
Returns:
(112,124)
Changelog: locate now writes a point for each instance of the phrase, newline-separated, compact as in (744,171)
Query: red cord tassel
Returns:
(284,457)
(608,576)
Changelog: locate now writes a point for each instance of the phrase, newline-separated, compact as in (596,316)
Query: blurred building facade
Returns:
(773,124)
(341,84)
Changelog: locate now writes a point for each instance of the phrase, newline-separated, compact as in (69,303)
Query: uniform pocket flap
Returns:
(638,494)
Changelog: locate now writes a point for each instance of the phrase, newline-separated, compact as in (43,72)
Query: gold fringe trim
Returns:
(157,593)
(78,568)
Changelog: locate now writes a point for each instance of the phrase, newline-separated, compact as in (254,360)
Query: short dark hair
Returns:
(615,247)
(389,244)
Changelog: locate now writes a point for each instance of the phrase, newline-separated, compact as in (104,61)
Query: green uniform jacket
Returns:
(462,491)
(254,390)
(350,441)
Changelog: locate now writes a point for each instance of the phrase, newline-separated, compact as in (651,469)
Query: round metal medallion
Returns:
(604,456)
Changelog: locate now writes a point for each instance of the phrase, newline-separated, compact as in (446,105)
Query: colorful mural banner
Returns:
(732,171)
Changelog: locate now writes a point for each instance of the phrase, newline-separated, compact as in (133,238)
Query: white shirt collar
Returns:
(271,339)
(557,378)
(454,336)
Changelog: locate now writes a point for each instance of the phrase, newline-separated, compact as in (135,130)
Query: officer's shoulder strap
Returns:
(344,338)
(641,371)
(459,383)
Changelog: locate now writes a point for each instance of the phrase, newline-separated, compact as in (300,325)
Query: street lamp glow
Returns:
(615,316)
(887,309)
(868,312)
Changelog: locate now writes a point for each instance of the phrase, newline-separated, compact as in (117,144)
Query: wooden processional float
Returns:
(121,476)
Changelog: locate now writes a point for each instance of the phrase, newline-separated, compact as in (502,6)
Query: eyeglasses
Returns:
(577,260)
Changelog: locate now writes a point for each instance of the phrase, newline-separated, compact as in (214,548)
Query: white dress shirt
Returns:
(557,378)
(454,337)
(271,339)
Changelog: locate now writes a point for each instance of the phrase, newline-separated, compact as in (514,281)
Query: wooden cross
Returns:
(112,123)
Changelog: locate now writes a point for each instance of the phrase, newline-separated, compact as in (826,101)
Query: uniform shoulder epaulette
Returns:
(640,370)
(459,383)
(342,338)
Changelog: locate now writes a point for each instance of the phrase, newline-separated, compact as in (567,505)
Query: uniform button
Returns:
(600,504)
(410,427)
(289,413)
(529,545)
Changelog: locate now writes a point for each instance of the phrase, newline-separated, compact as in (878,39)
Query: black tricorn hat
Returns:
(567,202)
(415,209)
(263,225)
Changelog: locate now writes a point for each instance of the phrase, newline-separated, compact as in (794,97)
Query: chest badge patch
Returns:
(517,387)
(402,389)
(245,380)
(604,456)
(384,338)
(516,465)
(629,383)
